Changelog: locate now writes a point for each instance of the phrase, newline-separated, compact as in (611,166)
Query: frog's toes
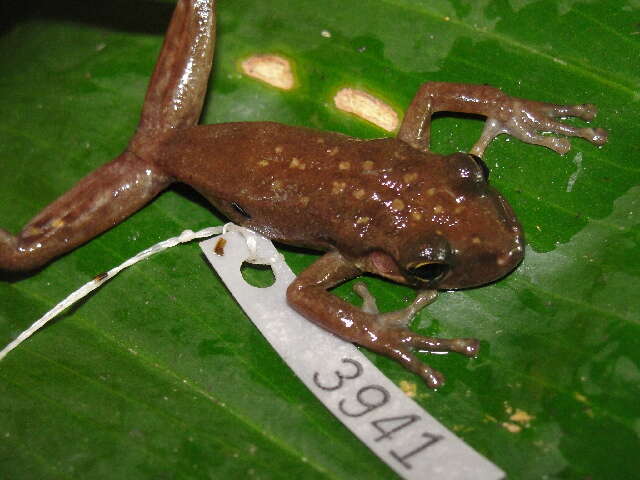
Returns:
(369,304)
(464,346)
(529,121)
(432,377)
(402,317)
(585,111)
(400,343)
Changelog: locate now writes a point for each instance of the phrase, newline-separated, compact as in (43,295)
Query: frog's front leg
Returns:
(385,333)
(523,119)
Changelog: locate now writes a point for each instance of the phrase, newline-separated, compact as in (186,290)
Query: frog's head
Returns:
(471,238)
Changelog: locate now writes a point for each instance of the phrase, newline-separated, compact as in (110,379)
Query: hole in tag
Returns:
(260,276)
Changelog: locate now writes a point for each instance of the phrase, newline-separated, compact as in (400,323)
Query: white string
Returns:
(184,237)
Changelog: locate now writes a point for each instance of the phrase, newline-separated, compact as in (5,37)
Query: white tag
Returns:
(393,426)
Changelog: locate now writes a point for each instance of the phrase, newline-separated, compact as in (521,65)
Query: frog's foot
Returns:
(528,120)
(395,340)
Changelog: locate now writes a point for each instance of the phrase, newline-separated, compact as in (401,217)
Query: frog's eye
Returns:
(430,272)
(482,165)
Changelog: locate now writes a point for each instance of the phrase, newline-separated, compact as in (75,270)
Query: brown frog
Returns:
(387,207)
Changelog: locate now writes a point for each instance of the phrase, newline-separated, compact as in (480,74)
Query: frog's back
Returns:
(297,185)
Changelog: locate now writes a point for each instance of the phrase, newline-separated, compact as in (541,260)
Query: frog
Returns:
(388,207)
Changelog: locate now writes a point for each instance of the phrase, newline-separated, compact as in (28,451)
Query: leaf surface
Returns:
(160,374)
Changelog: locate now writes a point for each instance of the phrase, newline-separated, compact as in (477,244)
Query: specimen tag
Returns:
(393,426)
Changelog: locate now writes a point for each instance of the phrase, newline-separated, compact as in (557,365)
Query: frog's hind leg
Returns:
(111,193)
(98,202)
(526,120)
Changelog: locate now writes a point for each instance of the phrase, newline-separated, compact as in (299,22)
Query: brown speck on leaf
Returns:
(219,248)
(579,397)
(410,389)
(521,417)
(512,427)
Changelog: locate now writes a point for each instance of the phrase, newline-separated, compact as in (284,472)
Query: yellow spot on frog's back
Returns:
(416,216)
(397,204)
(333,151)
(344,165)
(263,163)
(276,186)
(438,209)
(338,187)
(359,194)
(367,107)
(367,165)
(476,240)
(410,177)
(362,220)
(296,163)
(431,192)
(320,140)
(271,69)
(458,210)
(57,223)
(278,149)
(304,201)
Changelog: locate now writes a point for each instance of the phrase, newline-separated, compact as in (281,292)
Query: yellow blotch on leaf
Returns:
(271,69)
(367,107)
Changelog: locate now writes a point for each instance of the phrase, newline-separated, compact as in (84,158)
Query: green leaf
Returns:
(160,375)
